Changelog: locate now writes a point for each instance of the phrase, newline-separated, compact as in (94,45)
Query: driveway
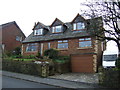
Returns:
(78,77)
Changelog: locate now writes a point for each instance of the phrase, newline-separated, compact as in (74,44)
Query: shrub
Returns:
(117,63)
(52,53)
(17,51)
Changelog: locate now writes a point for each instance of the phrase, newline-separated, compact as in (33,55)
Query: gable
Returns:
(77,19)
(56,22)
(39,26)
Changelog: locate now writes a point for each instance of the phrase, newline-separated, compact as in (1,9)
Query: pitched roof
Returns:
(7,24)
(69,33)
(10,23)
(50,36)
(39,24)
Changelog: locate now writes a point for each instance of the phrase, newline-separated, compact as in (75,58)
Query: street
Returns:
(8,82)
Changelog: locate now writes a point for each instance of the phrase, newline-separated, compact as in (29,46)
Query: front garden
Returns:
(49,64)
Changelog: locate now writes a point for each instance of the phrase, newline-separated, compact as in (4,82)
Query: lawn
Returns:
(23,59)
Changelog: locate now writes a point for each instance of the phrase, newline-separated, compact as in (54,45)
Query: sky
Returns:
(27,12)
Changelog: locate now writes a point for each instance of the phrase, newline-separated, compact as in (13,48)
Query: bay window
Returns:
(31,47)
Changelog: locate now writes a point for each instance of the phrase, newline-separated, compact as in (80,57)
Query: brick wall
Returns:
(73,48)
(9,34)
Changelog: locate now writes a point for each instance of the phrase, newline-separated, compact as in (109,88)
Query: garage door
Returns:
(82,63)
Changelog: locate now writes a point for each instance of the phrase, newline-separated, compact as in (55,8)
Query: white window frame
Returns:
(54,29)
(38,32)
(75,26)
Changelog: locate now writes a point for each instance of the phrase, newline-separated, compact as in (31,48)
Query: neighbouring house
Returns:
(71,39)
(12,36)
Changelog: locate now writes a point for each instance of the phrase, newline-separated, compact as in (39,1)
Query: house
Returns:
(11,35)
(71,39)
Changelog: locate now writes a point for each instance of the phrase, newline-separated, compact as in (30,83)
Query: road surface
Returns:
(9,82)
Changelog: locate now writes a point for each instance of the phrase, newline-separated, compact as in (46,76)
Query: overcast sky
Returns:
(27,12)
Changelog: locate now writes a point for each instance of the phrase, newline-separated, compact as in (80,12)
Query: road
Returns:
(8,82)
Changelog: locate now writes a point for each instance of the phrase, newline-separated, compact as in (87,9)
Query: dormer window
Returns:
(78,26)
(56,29)
(38,32)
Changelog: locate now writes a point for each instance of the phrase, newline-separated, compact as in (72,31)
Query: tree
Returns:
(110,13)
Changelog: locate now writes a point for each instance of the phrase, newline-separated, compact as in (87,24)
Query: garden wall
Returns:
(22,67)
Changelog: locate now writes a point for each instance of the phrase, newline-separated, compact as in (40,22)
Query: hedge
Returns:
(109,77)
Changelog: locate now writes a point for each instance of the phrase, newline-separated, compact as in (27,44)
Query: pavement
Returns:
(51,81)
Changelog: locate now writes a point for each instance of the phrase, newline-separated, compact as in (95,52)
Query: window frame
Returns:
(18,38)
(54,29)
(75,26)
(38,32)
(84,40)
(61,42)
(30,46)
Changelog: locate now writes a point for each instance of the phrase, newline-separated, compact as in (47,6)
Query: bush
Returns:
(52,53)
(17,51)
(117,63)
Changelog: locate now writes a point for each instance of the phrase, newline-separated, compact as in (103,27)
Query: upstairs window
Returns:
(85,42)
(56,29)
(31,47)
(38,32)
(18,38)
(63,44)
(78,26)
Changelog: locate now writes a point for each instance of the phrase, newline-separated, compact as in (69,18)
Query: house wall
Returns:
(9,34)
(73,47)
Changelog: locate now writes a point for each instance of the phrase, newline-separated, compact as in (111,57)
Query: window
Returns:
(38,32)
(78,26)
(85,42)
(31,47)
(56,29)
(63,44)
(48,45)
(18,38)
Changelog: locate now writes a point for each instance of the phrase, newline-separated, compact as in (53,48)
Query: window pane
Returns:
(81,39)
(31,47)
(59,41)
(58,28)
(65,40)
(18,38)
(85,44)
(80,25)
(40,31)
(63,45)
(87,38)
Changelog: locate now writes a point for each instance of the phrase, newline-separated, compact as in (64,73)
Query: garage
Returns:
(82,63)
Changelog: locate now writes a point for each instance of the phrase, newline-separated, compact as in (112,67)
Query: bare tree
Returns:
(110,14)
